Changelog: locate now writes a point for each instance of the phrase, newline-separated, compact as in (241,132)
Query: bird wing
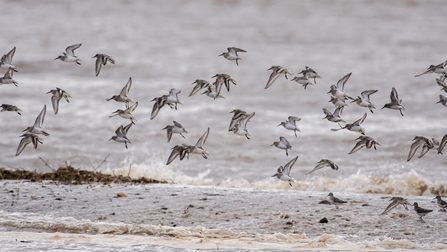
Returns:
(126,88)
(342,81)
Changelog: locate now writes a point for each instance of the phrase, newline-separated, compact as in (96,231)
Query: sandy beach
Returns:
(203,217)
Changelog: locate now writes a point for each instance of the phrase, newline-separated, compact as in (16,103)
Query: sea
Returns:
(169,44)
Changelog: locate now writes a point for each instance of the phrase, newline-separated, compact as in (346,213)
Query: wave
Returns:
(407,183)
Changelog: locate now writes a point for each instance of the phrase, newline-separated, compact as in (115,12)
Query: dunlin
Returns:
(439,69)
(395,202)
(420,141)
(276,72)
(364,100)
(57,95)
(123,95)
(324,163)
(395,102)
(302,80)
(9,107)
(37,127)
(335,201)
(186,149)
(282,144)
(232,54)
(28,138)
(6,61)
(69,56)
(101,60)
(442,100)
(334,117)
(121,134)
(7,78)
(199,84)
(441,203)
(309,73)
(175,128)
(420,211)
(241,127)
(290,124)
(355,126)
(283,172)
(364,141)
(127,113)
(339,89)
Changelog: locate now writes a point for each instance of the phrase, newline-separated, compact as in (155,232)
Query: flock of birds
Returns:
(240,119)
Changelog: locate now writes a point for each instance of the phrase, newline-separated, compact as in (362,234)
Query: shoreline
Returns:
(216,212)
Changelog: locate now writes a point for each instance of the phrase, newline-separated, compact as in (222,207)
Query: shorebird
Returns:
(420,211)
(442,144)
(282,144)
(355,126)
(338,90)
(395,102)
(335,201)
(442,84)
(27,139)
(126,113)
(176,128)
(101,60)
(396,201)
(276,72)
(303,80)
(442,100)
(290,124)
(186,149)
(199,84)
(7,78)
(441,203)
(338,102)
(439,69)
(172,99)
(9,107)
(6,61)
(309,73)
(241,127)
(334,117)
(232,54)
(364,100)
(159,103)
(419,141)
(121,134)
(324,163)
(69,56)
(283,172)
(364,141)
(37,127)
(58,94)
(222,79)
(238,115)
(211,92)
(122,96)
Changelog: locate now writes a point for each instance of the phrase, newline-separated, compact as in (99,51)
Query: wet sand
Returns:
(202,217)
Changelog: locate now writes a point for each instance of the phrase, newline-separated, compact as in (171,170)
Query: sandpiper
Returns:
(364,100)
(159,103)
(324,163)
(241,127)
(238,115)
(442,100)
(441,203)
(439,69)
(334,117)
(101,60)
(176,128)
(172,99)
(364,141)
(282,144)
(283,172)
(335,201)
(442,84)
(126,113)
(396,201)
(222,79)
(7,78)
(303,80)
(442,144)
(420,211)
(290,124)
(199,84)
(9,107)
(58,94)
(186,149)
(419,141)
(211,92)
(338,102)
(355,126)
(69,56)
(27,139)
(122,96)
(232,54)
(276,72)
(395,102)
(121,134)
(37,127)
(309,73)
(6,61)
(338,90)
